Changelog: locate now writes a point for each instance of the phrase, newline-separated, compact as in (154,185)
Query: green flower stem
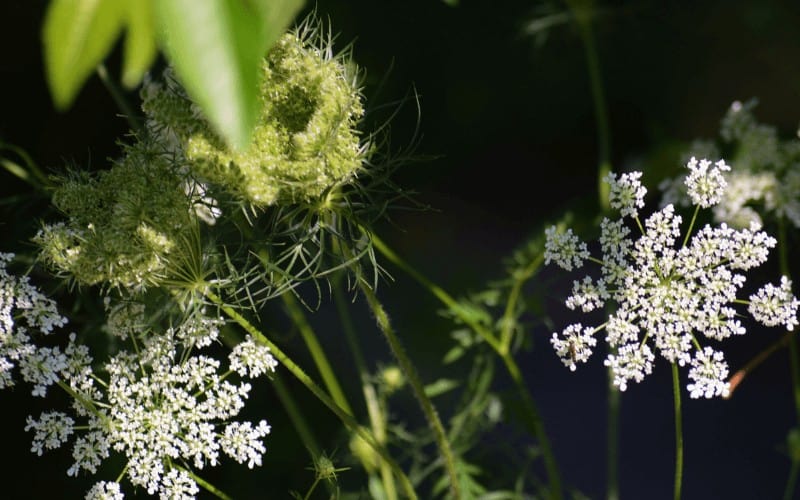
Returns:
(120,100)
(317,353)
(612,434)
(794,362)
(532,420)
(317,391)
(377,416)
(297,418)
(410,372)
(536,426)
(791,482)
(783,257)
(203,483)
(438,292)
(676,391)
(581,11)
(506,334)
(691,225)
(295,415)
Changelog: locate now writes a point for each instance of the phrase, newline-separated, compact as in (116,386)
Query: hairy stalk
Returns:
(416,385)
(317,391)
(120,100)
(532,418)
(676,391)
(317,353)
(377,416)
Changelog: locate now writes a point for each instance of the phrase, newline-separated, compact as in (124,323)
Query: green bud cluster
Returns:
(305,141)
(123,223)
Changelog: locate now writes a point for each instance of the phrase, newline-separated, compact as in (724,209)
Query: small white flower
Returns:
(631,362)
(706,186)
(626,194)
(178,485)
(564,248)
(587,295)
(249,359)
(50,431)
(710,373)
(773,305)
(242,442)
(575,345)
(105,490)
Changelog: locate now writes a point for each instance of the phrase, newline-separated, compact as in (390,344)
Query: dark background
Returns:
(509,125)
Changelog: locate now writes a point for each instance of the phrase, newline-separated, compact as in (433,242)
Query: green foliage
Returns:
(122,237)
(305,139)
(216,47)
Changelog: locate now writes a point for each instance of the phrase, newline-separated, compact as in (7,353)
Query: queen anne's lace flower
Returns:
(668,292)
(626,193)
(774,305)
(706,186)
(158,405)
(564,248)
(252,360)
(574,345)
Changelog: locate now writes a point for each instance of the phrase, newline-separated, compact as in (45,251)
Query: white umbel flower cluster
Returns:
(669,292)
(161,406)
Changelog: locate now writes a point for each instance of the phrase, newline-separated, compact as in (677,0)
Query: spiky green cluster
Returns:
(305,141)
(123,224)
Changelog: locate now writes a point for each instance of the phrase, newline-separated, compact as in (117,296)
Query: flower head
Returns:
(668,292)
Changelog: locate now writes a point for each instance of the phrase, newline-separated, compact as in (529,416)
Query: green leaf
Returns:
(440,387)
(77,35)
(216,48)
(140,41)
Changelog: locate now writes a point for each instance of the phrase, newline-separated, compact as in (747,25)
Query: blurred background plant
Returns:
(511,115)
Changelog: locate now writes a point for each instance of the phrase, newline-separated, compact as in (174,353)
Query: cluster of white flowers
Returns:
(159,405)
(667,292)
(767,179)
(24,312)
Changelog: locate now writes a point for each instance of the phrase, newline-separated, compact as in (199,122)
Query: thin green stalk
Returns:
(506,334)
(375,411)
(204,484)
(317,391)
(533,420)
(794,360)
(583,19)
(676,391)
(612,433)
(317,353)
(788,492)
(297,418)
(410,372)
(119,99)
(536,426)
(437,292)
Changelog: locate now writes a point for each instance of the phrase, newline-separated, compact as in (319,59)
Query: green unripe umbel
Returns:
(306,139)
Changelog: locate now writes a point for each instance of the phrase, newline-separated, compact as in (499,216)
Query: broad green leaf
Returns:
(277,16)
(140,41)
(77,35)
(216,48)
